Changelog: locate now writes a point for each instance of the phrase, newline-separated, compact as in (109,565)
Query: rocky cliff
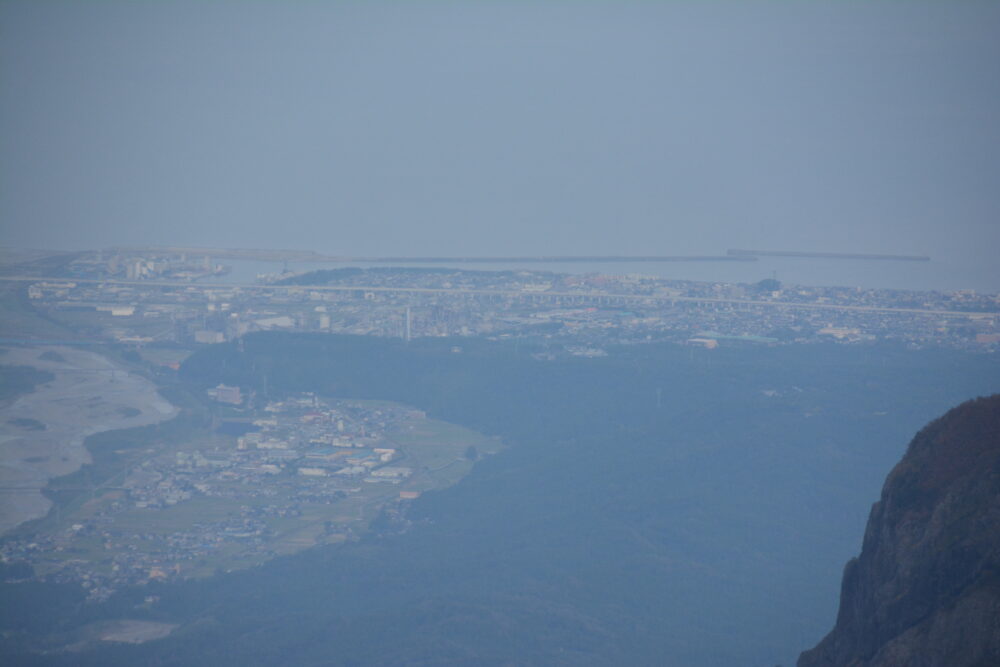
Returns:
(926,588)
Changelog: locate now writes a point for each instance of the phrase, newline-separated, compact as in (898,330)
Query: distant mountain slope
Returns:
(926,588)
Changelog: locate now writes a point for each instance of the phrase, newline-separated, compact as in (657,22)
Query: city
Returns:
(155,299)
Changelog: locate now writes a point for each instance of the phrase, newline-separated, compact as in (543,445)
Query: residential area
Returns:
(299,473)
(149,304)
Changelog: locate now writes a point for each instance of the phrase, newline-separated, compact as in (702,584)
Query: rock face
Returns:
(926,589)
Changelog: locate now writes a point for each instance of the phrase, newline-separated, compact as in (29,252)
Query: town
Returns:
(151,299)
(301,472)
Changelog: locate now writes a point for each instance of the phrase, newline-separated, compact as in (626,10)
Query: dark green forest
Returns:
(662,505)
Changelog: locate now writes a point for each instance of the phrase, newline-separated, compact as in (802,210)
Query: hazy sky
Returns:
(504,127)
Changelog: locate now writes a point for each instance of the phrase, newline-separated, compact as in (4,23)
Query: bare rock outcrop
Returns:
(925,590)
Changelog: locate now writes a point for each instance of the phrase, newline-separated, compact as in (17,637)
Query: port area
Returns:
(195,497)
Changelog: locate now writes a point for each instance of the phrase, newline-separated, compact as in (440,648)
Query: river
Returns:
(88,395)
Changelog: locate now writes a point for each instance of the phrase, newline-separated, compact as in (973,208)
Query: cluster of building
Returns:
(323,442)
(145,266)
(592,310)
(298,461)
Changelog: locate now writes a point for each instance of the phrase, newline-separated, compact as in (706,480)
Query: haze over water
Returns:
(465,129)
(933,275)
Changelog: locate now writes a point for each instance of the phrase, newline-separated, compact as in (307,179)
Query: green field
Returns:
(439,452)
(179,517)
